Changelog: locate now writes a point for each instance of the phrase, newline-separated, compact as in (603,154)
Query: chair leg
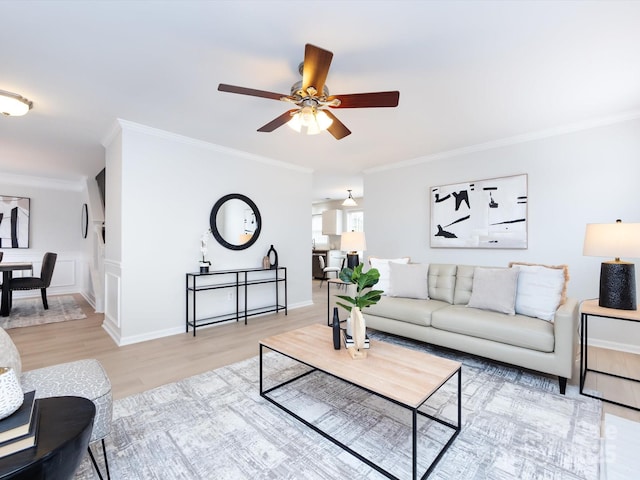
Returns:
(95,464)
(43,292)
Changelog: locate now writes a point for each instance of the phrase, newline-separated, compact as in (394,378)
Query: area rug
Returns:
(27,312)
(621,446)
(216,426)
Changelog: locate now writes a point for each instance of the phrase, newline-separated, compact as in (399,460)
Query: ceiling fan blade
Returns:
(315,67)
(223,87)
(364,100)
(337,128)
(277,122)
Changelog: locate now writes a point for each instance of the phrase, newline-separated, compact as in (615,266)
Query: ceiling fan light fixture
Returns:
(310,120)
(349,201)
(14,105)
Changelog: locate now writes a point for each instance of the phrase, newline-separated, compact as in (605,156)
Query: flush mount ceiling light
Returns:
(349,202)
(14,105)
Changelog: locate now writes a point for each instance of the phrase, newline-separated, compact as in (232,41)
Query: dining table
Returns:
(7,269)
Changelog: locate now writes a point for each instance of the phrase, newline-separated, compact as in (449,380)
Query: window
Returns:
(355,221)
(316,231)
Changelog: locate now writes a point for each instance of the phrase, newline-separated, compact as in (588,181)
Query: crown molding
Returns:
(517,139)
(44,182)
(121,125)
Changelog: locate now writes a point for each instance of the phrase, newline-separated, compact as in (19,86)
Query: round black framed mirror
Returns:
(84,221)
(235,221)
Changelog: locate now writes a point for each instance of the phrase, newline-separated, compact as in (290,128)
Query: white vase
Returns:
(358,328)
(11,396)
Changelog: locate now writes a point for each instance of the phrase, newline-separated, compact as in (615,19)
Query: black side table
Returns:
(591,308)
(63,439)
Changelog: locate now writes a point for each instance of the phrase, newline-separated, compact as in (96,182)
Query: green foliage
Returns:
(363,281)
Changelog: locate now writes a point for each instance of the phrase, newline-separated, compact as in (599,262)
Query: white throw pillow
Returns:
(540,290)
(382,265)
(494,289)
(408,280)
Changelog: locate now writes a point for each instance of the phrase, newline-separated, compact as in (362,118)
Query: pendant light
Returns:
(349,202)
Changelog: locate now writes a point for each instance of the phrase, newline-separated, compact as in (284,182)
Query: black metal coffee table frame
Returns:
(415,412)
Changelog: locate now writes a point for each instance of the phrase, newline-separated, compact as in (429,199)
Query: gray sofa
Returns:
(446,320)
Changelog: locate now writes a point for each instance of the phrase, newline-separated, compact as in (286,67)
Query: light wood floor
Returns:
(139,367)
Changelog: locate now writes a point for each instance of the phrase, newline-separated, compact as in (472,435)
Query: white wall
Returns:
(587,176)
(54,227)
(157,212)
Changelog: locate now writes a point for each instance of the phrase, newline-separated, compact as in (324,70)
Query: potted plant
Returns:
(363,298)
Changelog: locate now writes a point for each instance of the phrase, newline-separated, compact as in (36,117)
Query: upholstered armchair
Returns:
(82,378)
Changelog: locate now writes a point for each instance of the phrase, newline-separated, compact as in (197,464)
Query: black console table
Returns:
(238,281)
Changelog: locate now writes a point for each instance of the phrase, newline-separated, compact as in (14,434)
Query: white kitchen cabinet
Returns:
(332,222)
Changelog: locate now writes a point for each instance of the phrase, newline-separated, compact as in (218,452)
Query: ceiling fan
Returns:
(312,99)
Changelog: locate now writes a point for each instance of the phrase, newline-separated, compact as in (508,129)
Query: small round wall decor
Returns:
(84,220)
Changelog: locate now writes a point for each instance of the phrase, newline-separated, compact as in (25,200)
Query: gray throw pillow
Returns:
(494,289)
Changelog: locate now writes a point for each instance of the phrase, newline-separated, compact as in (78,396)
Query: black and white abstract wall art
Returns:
(488,213)
(14,222)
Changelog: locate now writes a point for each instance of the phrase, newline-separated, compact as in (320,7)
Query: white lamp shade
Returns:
(353,242)
(612,240)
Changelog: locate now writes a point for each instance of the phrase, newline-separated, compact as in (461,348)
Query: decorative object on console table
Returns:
(617,278)
(336,329)
(11,396)
(204,248)
(352,243)
(363,281)
(273,258)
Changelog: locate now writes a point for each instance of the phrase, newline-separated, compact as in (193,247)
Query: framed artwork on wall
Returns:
(14,222)
(488,213)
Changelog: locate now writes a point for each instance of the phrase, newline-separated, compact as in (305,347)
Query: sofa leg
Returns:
(563,384)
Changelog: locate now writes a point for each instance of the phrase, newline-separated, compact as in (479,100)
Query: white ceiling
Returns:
(468,72)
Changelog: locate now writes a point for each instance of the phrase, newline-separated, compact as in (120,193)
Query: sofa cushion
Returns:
(442,282)
(9,355)
(464,284)
(517,330)
(494,289)
(410,310)
(541,289)
(382,265)
(408,280)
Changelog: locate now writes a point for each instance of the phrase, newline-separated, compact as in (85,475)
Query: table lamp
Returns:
(617,278)
(352,243)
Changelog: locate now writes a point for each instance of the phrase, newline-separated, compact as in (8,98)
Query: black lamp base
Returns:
(618,286)
(353,260)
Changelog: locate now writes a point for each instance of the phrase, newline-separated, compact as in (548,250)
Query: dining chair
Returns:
(42,282)
(326,271)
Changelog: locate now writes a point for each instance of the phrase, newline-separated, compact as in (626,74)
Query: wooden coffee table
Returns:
(405,377)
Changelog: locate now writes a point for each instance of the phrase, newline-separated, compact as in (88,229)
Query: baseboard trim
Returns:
(622,347)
